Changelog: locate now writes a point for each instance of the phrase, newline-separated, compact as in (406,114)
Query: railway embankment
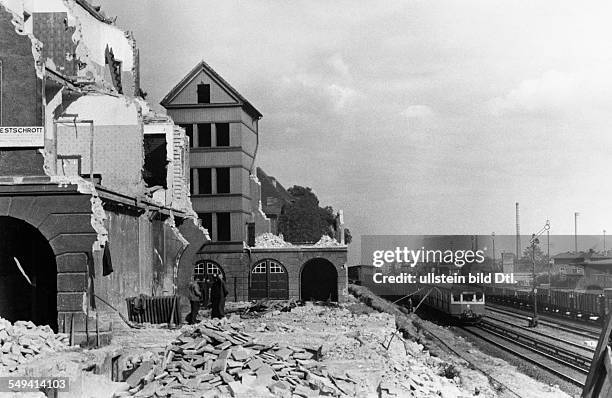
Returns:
(475,369)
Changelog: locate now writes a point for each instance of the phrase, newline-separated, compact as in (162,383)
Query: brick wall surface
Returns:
(20,97)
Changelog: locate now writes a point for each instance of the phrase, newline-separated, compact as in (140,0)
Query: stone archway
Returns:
(28,274)
(319,280)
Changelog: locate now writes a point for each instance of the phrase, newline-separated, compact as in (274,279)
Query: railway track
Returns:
(590,333)
(545,355)
(545,335)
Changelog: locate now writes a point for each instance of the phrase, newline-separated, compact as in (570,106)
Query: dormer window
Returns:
(203,93)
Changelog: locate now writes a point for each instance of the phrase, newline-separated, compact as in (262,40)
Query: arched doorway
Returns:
(319,281)
(269,280)
(204,269)
(28,274)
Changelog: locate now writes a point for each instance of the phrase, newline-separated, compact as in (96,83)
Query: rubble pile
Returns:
(219,357)
(327,241)
(23,341)
(262,307)
(270,240)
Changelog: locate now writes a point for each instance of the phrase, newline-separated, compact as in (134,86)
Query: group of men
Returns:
(214,285)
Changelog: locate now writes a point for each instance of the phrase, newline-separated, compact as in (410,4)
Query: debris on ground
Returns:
(270,240)
(327,241)
(223,358)
(261,307)
(23,341)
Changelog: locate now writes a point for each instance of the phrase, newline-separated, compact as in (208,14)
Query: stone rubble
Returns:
(217,357)
(327,241)
(270,240)
(24,341)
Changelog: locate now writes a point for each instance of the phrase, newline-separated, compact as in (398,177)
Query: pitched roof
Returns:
(203,66)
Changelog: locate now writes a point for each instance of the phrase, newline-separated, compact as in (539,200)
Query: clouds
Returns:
(556,94)
(418,112)
(426,107)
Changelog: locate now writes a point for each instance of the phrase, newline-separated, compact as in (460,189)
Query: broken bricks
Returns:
(220,356)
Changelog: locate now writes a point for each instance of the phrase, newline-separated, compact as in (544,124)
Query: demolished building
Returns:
(94,197)
(227,196)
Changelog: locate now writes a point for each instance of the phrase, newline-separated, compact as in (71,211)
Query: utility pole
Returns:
(604,232)
(535,241)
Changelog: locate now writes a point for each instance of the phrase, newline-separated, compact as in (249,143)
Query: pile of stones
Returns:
(220,358)
(24,341)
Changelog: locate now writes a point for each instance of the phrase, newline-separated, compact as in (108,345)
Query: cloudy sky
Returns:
(412,116)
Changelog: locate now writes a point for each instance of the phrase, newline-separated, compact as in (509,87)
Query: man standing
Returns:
(195,295)
(218,292)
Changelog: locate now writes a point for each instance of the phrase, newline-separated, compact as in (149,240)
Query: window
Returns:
(189,132)
(204,135)
(206,221)
(223,134)
(199,269)
(260,268)
(203,93)
(207,268)
(191,174)
(204,181)
(155,163)
(276,268)
(223,180)
(223,227)
(468,297)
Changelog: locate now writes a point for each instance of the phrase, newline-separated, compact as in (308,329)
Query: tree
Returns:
(304,220)
(348,238)
(541,259)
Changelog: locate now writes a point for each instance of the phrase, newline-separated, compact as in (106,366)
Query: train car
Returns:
(463,304)
(588,306)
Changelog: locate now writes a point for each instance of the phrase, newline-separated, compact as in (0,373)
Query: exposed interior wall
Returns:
(20,92)
(118,141)
(144,249)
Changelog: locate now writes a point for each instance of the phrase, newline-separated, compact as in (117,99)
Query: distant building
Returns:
(573,264)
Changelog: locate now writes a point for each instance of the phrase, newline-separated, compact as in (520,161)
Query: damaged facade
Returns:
(227,196)
(94,205)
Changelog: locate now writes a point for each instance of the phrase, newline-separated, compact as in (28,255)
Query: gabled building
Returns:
(226,193)
(223,130)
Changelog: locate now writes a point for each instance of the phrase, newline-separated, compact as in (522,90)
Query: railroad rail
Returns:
(590,333)
(492,333)
(546,335)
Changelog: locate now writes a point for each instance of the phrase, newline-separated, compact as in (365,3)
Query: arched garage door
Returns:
(319,281)
(28,274)
(204,269)
(269,280)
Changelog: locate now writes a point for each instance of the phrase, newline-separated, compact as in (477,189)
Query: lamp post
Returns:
(548,258)
(604,232)
(535,241)
(494,263)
